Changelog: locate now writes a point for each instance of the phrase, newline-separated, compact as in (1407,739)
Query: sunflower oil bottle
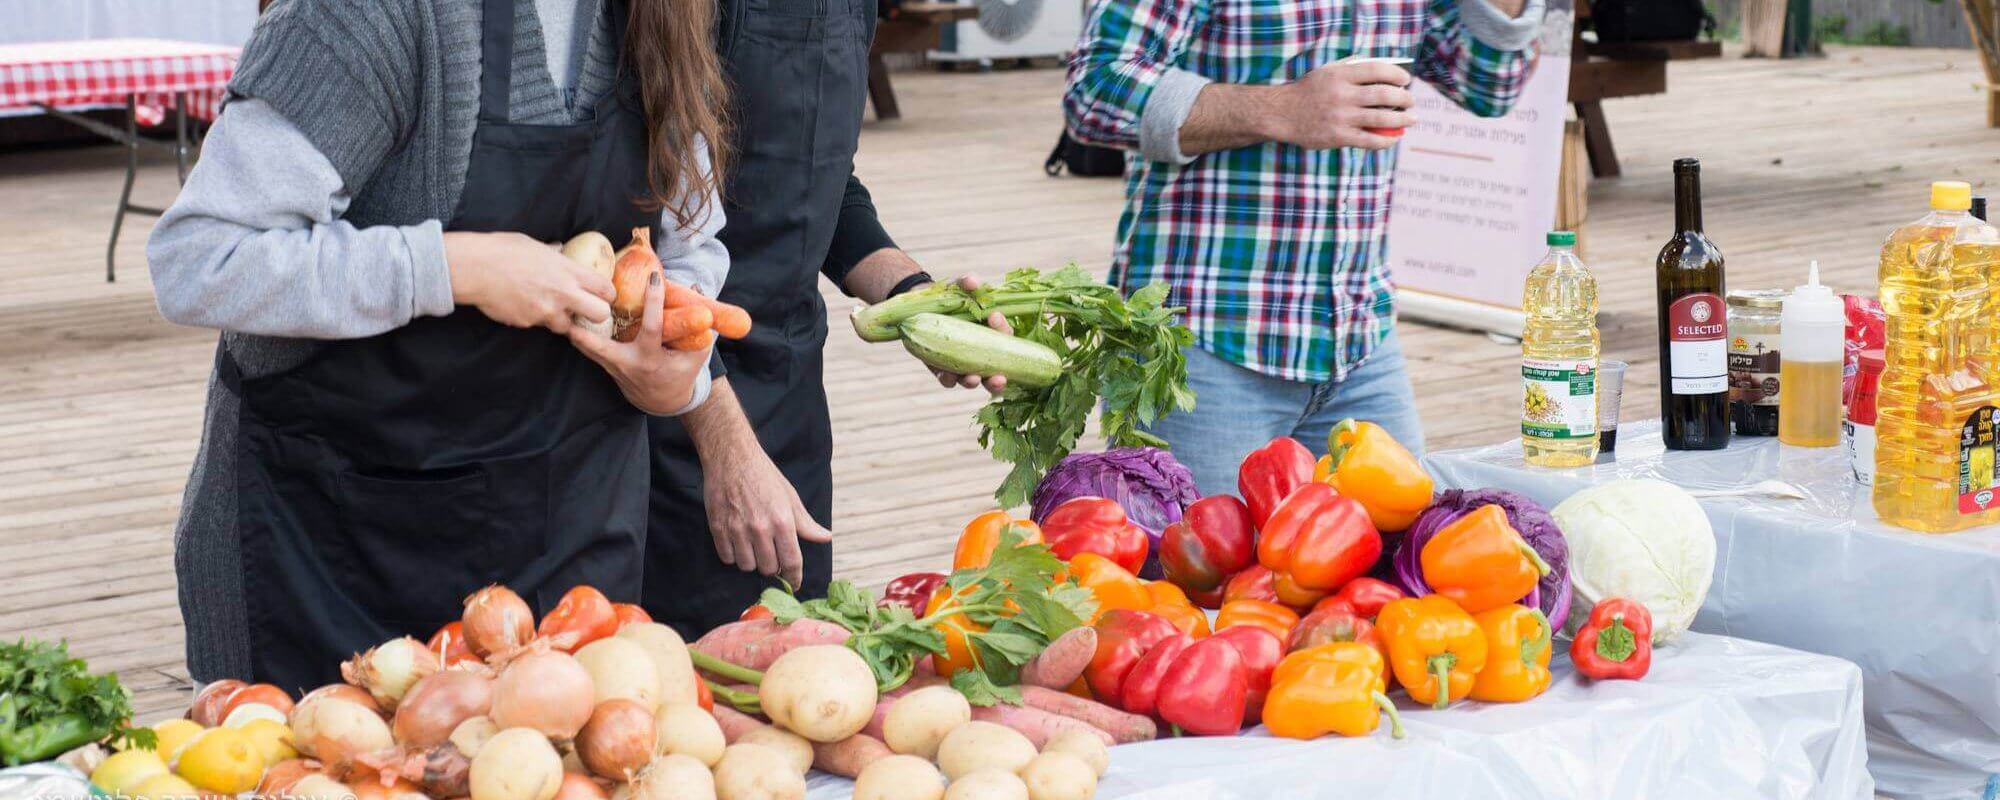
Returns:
(1559,349)
(1935,424)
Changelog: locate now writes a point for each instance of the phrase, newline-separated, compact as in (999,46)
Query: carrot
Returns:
(1038,725)
(680,323)
(730,320)
(734,723)
(1123,727)
(756,643)
(679,296)
(1059,664)
(699,340)
(849,756)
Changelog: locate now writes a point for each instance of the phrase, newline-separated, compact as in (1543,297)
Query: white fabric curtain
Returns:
(225,22)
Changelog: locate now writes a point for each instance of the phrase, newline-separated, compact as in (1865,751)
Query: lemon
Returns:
(222,760)
(164,786)
(126,769)
(172,734)
(273,740)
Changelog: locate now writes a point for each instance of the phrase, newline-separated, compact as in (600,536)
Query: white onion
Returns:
(389,669)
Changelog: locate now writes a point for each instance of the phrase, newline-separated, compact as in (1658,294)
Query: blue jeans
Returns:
(1238,410)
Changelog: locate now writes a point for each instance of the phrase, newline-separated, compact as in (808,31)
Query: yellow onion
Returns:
(618,739)
(436,705)
(389,669)
(497,621)
(547,692)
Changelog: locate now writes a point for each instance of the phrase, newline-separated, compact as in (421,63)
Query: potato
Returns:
(756,772)
(918,721)
(825,692)
(1059,776)
(790,745)
(686,729)
(621,668)
(590,249)
(670,777)
(899,778)
(981,745)
(987,784)
(670,656)
(1082,745)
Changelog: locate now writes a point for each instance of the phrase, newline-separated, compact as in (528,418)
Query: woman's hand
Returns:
(517,281)
(655,378)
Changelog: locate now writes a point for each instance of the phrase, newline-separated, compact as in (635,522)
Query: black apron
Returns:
(798,74)
(387,478)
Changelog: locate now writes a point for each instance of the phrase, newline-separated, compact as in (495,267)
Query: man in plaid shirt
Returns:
(1259,194)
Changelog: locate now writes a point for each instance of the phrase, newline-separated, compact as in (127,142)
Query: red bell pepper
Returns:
(1364,596)
(1254,583)
(1616,642)
(1261,653)
(912,591)
(1270,473)
(1206,689)
(1335,624)
(1294,596)
(1095,525)
(1319,539)
(1141,692)
(1123,636)
(1212,542)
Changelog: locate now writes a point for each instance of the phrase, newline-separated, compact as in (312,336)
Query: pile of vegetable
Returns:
(1075,340)
(50,704)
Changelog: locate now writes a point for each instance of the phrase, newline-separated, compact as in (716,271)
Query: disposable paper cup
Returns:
(1610,386)
(1399,61)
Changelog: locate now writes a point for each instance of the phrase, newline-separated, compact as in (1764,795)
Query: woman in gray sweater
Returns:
(401,410)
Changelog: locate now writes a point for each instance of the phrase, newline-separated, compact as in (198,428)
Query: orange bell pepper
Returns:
(1517,655)
(1110,584)
(1481,562)
(976,542)
(1165,592)
(958,654)
(1337,687)
(1364,462)
(1270,616)
(1187,618)
(1294,596)
(1435,648)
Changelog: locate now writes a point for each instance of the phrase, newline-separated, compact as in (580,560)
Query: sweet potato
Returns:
(1063,660)
(1123,728)
(849,756)
(757,643)
(734,723)
(1038,725)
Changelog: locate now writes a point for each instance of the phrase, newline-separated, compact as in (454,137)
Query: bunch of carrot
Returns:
(691,320)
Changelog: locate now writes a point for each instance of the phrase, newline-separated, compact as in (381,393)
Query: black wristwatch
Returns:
(910,281)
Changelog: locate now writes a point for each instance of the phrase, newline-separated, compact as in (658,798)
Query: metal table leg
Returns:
(131,142)
(129,138)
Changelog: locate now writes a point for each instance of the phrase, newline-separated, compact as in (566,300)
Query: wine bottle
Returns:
(1694,331)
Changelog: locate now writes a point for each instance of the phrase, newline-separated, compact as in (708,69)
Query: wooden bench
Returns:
(913,27)
(1599,72)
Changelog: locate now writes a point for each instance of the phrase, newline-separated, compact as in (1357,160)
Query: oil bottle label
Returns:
(1975,462)
(1753,369)
(1559,398)
(1697,345)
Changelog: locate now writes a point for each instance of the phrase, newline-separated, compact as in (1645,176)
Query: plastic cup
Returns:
(1610,386)
(1399,61)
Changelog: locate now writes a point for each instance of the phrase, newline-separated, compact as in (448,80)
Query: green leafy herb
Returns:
(980,690)
(50,703)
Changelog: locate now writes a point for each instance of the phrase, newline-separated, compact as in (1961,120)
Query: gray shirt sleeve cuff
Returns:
(430,276)
(702,384)
(1495,29)
(1166,109)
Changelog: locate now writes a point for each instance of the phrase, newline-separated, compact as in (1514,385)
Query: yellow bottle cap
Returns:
(1951,195)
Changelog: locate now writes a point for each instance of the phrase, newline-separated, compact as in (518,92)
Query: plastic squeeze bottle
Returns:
(1811,331)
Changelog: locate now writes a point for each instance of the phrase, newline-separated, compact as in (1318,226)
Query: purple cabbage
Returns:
(1528,517)
(1152,487)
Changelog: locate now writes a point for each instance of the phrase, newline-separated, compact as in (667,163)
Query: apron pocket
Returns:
(411,547)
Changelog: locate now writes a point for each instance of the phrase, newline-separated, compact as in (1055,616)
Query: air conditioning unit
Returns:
(1013,29)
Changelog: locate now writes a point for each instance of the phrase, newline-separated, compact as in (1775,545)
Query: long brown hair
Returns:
(670,46)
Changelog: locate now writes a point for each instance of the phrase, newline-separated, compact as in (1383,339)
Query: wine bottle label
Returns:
(1976,445)
(1753,369)
(1559,398)
(1697,345)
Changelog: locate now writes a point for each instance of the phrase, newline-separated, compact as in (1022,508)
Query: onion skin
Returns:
(282,775)
(206,710)
(342,691)
(546,692)
(389,669)
(618,740)
(580,787)
(446,772)
(497,621)
(438,703)
(400,789)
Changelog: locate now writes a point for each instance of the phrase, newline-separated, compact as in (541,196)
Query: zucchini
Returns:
(968,348)
(882,322)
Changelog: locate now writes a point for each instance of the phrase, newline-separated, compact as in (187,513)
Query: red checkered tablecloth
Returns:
(107,71)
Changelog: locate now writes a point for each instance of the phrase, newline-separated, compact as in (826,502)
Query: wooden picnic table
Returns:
(913,27)
(1599,72)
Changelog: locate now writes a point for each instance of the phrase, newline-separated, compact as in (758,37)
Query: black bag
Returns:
(1650,20)
(1084,160)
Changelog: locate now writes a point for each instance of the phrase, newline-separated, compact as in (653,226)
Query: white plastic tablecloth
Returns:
(1919,613)
(1716,718)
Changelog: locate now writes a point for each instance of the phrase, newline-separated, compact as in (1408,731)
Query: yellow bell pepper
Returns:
(1337,687)
(1517,655)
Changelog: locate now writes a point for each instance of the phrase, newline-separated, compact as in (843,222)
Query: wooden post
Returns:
(1764,28)
(1983,19)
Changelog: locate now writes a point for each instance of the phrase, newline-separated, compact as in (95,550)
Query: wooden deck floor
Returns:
(100,399)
